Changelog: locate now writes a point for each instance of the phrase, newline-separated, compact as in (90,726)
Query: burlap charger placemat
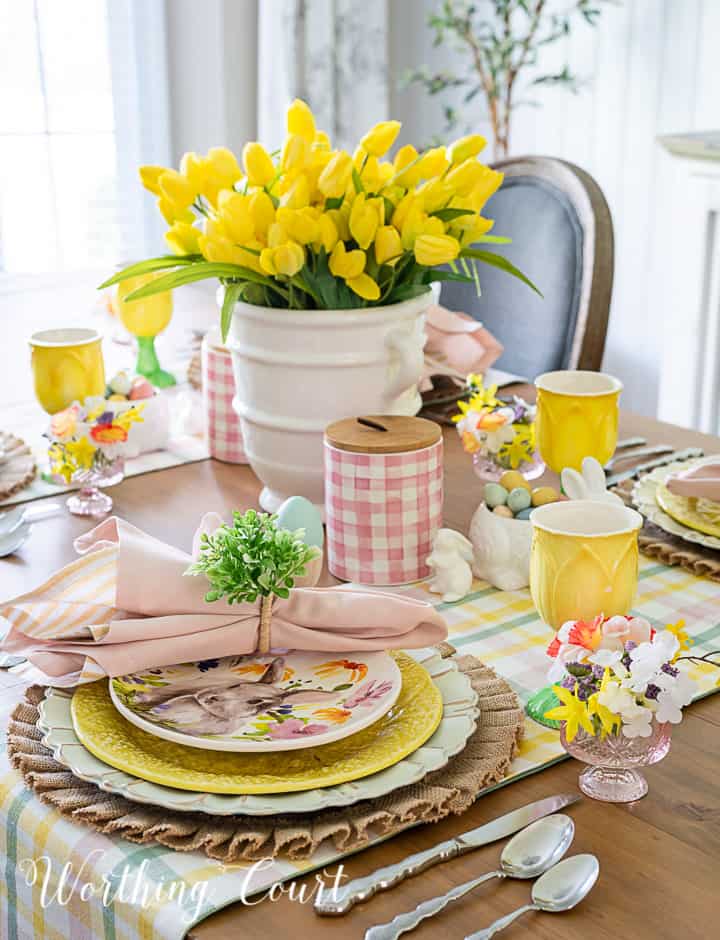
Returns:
(484,761)
(671,549)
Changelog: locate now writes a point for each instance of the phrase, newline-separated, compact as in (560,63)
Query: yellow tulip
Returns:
(277,235)
(346,264)
(262,212)
(370,175)
(474,229)
(183,238)
(404,156)
(172,214)
(258,166)
(334,179)
(463,177)
(235,216)
(436,194)
(407,171)
(465,147)
(286,259)
(176,189)
(402,209)
(150,176)
(294,153)
(298,194)
(327,233)
(322,141)
(432,250)
(489,183)
(195,170)
(432,163)
(388,246)
(413,225)
(364,286)
(380,138)
(221,249)
(366,215)
(340,219)
(300,120)
(300,224)
(225,165)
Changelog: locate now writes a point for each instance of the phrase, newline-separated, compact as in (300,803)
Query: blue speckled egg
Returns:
(525,513)
(299,513)
(495,495)
(518,499)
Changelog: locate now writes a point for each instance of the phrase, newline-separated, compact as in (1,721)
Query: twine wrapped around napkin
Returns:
(126,605)
(701,482)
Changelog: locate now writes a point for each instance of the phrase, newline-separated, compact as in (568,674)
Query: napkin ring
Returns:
(266,604)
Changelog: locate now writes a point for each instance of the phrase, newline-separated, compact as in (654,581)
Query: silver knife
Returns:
(616,478)
(361,889)
(655,451)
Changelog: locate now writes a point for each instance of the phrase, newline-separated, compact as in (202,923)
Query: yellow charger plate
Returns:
(703,515)
(111,738)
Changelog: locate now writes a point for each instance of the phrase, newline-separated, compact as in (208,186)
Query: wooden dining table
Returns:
(659,857)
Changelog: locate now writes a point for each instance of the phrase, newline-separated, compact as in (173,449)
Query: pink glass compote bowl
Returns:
(613,775)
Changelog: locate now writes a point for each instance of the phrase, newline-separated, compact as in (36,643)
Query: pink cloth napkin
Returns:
(126,605)
(457,345)
(702,481)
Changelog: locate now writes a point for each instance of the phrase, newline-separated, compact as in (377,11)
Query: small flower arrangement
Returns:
(251,558)
(89,437)
(500,431)
(615,675)
(312,227)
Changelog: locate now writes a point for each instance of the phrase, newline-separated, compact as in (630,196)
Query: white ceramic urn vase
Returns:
(298,370)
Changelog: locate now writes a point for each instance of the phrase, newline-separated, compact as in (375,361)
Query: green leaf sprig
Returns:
(251,558)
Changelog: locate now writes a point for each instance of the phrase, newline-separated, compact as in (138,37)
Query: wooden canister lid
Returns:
(401,434)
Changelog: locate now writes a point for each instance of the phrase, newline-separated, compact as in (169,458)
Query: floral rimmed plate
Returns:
(258,703)
(649,494)
(459,716)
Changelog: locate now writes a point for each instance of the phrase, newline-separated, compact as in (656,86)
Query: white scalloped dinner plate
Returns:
(644,499)
(459,720)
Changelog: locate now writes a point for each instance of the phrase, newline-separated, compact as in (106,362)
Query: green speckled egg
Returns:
(299,513)
(518,499)
(495,495)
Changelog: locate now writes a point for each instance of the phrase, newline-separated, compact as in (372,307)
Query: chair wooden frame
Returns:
(595,220)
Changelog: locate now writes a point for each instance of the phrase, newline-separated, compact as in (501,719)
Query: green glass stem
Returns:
(148,365)
(539,703)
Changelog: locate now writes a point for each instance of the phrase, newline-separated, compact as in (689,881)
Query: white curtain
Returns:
(331,53)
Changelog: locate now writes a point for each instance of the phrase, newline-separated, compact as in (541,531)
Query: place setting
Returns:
(398,582)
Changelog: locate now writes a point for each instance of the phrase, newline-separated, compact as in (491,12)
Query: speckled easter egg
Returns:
(512,479)
(544,494)
(504,511)
(518,499)
(524,513)
(299,513)
(121,383)
(495,495)
(141,388)
(116,397)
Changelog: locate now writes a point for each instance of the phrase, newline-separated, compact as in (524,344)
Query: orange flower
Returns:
(586,634)
(470,443)
(259,669)
(108,433)
(357,671)
(336,715)
(491,421)
(64,422)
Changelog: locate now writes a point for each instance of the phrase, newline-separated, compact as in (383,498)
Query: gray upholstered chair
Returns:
(562,238)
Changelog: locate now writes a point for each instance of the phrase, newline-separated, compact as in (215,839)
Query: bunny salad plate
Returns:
(279,701)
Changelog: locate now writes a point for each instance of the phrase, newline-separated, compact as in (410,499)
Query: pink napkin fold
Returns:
(126,605)
(702,481)
(457,345)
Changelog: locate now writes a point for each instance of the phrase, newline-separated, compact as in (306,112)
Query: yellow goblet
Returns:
(577,417)
(145,318)
(67,366)
(583,562)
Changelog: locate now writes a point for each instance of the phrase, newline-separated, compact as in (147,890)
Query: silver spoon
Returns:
(14,518)
(11,542)
(528,854)
(559,889)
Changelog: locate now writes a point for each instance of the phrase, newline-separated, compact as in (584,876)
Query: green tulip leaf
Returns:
(498,261)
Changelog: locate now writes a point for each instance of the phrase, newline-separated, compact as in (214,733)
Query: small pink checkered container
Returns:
(224,436)
(383,497)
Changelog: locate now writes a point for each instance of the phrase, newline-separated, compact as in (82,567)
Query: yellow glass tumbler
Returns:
(583,560)
(577,417)
(67,366)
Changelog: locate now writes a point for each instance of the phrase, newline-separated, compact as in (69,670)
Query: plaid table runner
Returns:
(141,891)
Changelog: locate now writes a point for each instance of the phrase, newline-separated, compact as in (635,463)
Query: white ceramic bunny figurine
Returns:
(590,484)
(450,560)
(502,549)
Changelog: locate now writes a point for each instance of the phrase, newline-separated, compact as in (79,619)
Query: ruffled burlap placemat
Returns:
(18,467)
(484,761)
(671,549)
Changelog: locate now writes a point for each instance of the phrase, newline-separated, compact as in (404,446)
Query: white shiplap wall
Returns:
(653,67)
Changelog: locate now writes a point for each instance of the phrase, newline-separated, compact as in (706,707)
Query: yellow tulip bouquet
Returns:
(311,227)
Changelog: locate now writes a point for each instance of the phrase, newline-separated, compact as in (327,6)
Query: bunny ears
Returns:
(590,484)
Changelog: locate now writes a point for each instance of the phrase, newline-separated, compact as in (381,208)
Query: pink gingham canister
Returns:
(383,497)
(224,437)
